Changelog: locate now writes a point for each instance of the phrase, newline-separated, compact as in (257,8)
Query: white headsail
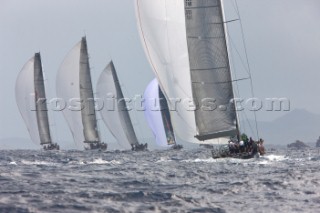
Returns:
(157,115)
(162,29)
(185,42)
(114,113)
(75,88)
(31,100)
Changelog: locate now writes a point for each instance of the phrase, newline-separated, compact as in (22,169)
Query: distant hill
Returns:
(296,125)
(318,142)
(297,145)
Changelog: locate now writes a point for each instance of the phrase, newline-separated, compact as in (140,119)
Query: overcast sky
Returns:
(283,42)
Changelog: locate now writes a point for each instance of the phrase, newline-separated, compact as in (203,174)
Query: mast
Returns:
(88,114)
(210,69)
(40,102)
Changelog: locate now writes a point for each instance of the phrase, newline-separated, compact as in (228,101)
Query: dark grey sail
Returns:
(40,100)
(88,114)
(210,69)
(123,111)
(166,119)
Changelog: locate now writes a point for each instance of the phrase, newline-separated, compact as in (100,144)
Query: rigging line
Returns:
(248,64)
(240,79)
(244,114)
(233,20)
(241,59)
(232,46)
(244,66)
(225,32)
(238,53)
(249,124)
(235,8)
(234,72)
(247,119)
(221,82)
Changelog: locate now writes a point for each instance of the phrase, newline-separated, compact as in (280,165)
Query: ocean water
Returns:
(158,181)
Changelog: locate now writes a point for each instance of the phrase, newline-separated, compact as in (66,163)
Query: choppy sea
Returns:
(158,181)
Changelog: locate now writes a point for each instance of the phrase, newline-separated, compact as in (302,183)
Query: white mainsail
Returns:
(31,100)
(75,88)
(157,115)
(114,113)
(186,46)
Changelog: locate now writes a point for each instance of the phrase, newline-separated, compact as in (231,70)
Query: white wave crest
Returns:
(208,160)
(101,161)
(25,162)
(275,157)
(163,159)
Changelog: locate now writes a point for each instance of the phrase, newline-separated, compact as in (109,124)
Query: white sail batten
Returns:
(157,115)
(185,42)
(162,30)
(114,113)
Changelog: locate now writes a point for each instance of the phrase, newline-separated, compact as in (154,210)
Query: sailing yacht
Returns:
(75,87)
(186,44)
(158,116)
(31,101)
(116,117)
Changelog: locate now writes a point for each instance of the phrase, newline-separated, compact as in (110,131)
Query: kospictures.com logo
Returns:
(138,103)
